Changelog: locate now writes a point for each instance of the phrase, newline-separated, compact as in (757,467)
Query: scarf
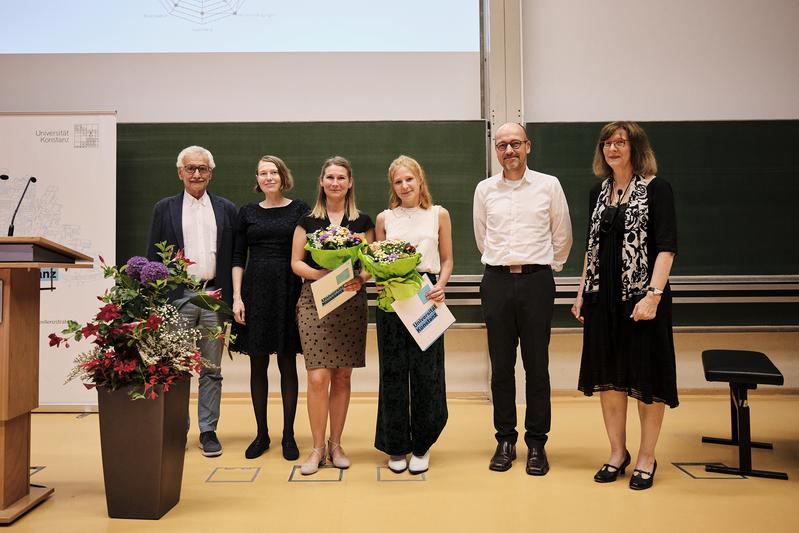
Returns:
(634,260)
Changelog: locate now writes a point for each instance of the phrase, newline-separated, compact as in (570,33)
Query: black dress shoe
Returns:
(606,475)
(257,447)
(503,457)
(537,464)
(637,481)
(290,450)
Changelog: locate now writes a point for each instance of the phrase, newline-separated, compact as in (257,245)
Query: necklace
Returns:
(622,194)
(407,212)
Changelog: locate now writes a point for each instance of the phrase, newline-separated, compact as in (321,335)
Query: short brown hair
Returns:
(642,157)
(286,179)
(413,166)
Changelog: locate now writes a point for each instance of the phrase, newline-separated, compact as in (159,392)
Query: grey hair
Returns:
(196,150)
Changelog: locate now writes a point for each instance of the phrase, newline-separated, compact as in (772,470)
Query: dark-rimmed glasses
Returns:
(202,169)
(501,147)
(616,143)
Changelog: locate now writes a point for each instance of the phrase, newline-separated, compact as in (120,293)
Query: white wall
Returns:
(589,60)
(255,87)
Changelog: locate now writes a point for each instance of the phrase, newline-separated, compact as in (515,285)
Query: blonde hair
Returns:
(286,179)
(320,208)
(642,157)
(413,166)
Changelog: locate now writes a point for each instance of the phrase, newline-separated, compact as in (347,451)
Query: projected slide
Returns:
(144,26)
(202,11)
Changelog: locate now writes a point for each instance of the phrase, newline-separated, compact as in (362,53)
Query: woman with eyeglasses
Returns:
(265,294)
(412,406)
(624,298)
(336,343)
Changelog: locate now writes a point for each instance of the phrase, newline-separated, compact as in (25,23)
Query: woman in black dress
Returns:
(624,297)
(336,343)
(265,293)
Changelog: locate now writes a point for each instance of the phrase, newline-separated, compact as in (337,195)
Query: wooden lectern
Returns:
(20,261)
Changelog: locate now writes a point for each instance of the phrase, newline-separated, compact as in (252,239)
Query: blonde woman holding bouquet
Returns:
(335,344)
(412,407)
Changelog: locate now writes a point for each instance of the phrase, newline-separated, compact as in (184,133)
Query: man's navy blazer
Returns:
(167,225)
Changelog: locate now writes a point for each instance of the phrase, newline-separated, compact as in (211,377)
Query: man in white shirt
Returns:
(523,231)
(202,226)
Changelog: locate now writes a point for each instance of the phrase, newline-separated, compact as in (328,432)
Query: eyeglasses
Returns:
(202,169)
(618,144)
(501,147)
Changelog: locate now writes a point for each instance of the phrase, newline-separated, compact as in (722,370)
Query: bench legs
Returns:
(741,437)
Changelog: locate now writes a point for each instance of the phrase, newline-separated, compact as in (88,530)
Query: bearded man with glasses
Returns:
(201,225)
(523,231)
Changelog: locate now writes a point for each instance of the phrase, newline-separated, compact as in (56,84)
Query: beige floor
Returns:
(459,493)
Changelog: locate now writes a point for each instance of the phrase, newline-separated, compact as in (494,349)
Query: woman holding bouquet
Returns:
(265,297)
(412,407)
(335,344)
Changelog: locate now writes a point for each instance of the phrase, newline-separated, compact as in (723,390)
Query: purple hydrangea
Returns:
(135,265)
(153,271)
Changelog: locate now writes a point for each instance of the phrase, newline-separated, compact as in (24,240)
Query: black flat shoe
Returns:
(257,447)
(290,450)
(637,481)
(606,475)
(537,463)
(503,458)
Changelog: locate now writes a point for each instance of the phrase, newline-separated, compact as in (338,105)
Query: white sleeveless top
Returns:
(420,228)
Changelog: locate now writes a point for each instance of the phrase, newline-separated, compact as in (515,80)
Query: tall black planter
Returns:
(143,444)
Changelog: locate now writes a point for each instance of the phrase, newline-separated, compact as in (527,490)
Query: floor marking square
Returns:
(385,475)
(325,474)
(697,471)
(234,474)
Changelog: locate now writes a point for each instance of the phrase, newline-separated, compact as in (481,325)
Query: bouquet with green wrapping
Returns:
(393,265)
(332,246)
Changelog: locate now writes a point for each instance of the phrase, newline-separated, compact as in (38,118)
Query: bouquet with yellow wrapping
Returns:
(332,246)
(393,265)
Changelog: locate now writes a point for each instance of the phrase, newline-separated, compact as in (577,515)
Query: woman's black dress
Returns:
(270,289)
(619,353)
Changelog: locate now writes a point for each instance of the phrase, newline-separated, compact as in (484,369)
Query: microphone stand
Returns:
(11,226)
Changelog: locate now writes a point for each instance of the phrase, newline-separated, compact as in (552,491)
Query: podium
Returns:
(20,261)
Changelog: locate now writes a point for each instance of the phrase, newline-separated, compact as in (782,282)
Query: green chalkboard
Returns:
(452,154)
(736,185)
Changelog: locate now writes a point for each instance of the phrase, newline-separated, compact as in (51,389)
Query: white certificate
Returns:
(328,292)
(425,319)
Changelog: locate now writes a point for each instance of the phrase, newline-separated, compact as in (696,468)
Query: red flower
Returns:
(108,313)
(216,294)
(180,256)
(89,329)
(154,321)
(55,340)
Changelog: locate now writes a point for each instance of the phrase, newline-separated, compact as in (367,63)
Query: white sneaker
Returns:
(417,465)
(397,463)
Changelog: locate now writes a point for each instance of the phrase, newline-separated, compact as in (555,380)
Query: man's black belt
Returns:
(518,269)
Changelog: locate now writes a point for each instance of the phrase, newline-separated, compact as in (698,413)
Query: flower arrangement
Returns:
(332,246)
(390,251)
(138,337)
(393,265)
